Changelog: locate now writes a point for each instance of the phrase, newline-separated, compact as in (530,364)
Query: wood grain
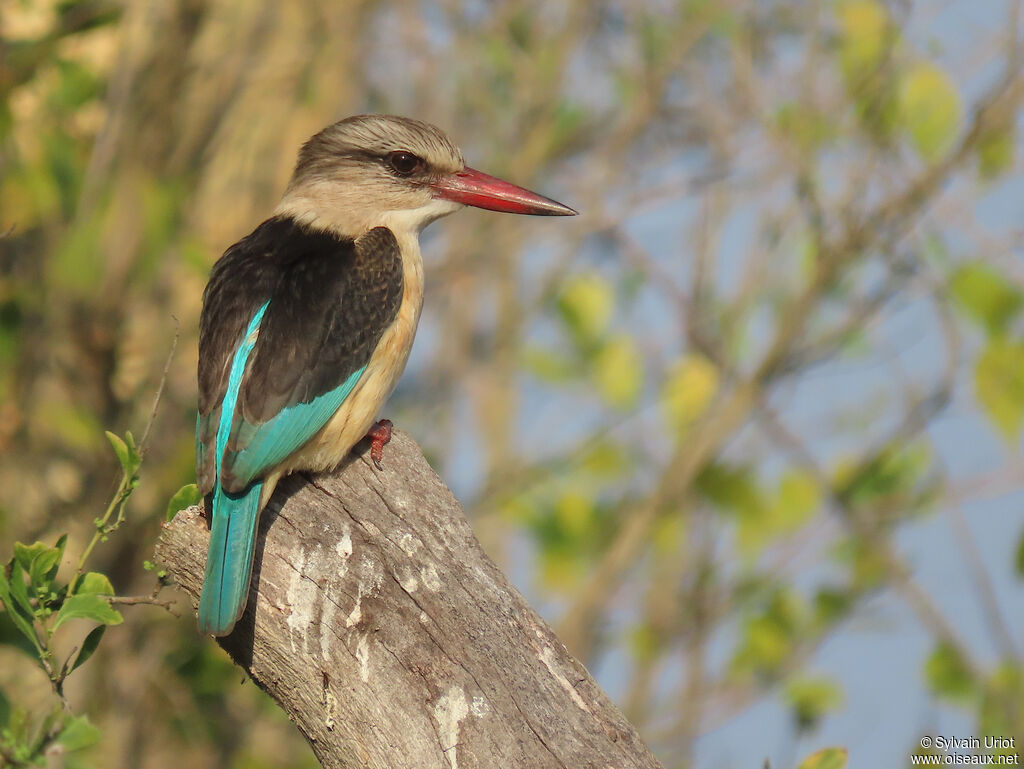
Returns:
(391,639)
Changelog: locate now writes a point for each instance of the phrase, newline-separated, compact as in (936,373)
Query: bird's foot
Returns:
(379,436)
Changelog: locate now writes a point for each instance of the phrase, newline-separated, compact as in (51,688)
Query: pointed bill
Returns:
(475,188)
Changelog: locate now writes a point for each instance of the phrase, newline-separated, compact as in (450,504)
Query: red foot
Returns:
(379,436)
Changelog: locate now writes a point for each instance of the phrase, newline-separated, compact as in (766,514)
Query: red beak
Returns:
(474,188)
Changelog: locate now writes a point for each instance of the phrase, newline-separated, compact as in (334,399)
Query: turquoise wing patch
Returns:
(256,448)
(260,447)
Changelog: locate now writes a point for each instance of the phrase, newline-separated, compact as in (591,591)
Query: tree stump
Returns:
(389,637)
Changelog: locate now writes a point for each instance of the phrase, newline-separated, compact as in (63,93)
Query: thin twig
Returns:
(160,387)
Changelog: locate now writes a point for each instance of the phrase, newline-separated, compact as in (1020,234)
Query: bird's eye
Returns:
(404,163)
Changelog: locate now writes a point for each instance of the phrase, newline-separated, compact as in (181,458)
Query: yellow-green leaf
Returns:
(864,36)
(799,496)
(669,534)
(27,554)
(88,606)
(15,608)
(986,296)
(89,646)
(732,487)
(618,372)
(764,646)
(811,699)
(930,109)
(186,496)
(574,513)
(999,384)
(995,151)
(126,451)
(549,366)
(586,305)
(688,389)
(78,733)
(829,758)
(947,673)
(558,572)
(605,459)
(805,127)
(1018,559)
(93,583)
(645,642)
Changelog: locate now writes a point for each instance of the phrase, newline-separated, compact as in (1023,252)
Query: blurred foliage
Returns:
(35,604)
(699,428)
(828,758)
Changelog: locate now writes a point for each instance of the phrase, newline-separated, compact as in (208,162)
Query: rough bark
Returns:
(378,623)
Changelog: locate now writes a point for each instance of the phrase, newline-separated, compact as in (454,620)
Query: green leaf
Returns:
(62,542)
(868,569)
(999,384)
(87,606)
(831,605)
(126,452)
(947,673)
(45,564)
(986,296)
(586,306)
(645,642)
(811,699)
(732,487)
(799,496)
(804,126)
(23,620)
(549,366)
(92,583)
(829,758)
(89,645)
(78,733)
(12,634)
(865,35)
(574,513)
(896,472)
(18,590)
(25,555)
(689,387)
(764,646)
(605,459)
(995,151)
(1018,564)
(770,638)
(930,110)
(5,710)
(619,372)
(186,496)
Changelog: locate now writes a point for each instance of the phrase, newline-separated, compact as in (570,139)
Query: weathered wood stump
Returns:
(391,639)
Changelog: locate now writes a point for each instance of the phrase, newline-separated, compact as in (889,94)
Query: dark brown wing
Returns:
(241,282)
(331,305)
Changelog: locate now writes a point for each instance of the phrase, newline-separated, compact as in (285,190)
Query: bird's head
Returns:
(373,170)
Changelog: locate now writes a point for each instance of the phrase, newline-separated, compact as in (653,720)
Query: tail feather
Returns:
(229,561)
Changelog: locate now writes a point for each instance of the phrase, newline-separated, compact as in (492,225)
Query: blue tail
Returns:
(229,562)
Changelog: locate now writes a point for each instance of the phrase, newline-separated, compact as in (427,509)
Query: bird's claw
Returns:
(379,436)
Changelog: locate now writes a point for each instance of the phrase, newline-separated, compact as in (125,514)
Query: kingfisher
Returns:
(308,321)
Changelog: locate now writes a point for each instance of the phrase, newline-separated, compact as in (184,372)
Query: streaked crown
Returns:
(378,139)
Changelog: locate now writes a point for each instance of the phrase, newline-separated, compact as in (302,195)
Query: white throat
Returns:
(323,208)
(411,221)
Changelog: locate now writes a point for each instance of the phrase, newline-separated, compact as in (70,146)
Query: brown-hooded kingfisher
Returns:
(308,321)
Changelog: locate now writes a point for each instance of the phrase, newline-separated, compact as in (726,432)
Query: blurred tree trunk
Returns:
(378,623)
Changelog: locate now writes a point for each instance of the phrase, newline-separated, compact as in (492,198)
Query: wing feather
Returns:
(328,311)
